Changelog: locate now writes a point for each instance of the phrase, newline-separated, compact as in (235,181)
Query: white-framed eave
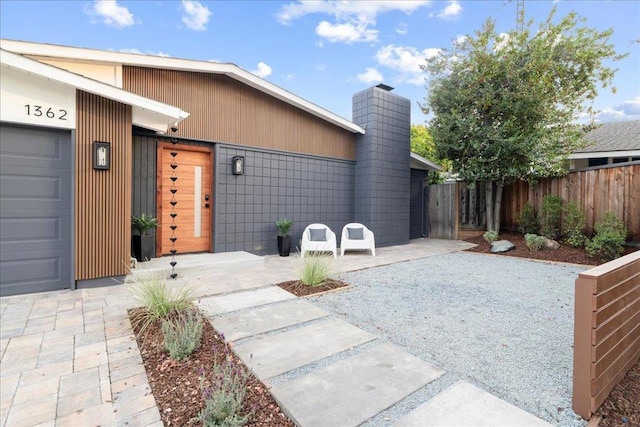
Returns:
(231,70)
(146,113)
(419,162)
(594,154)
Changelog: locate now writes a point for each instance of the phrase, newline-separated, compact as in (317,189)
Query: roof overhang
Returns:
(419,162)
(593,154)
(231,70)
(146,113)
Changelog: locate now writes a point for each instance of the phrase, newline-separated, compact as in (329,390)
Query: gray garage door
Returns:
(35,210)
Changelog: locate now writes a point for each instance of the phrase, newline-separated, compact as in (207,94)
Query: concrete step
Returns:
(462,404)
(219,304)
(279,353)
(351,391)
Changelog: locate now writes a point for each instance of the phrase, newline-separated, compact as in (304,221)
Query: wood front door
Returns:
(193,197)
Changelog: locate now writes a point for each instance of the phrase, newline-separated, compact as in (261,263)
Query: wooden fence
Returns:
(598,191)
(443,205)
(606,330)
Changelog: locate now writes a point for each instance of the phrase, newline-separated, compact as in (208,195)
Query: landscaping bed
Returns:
(176,384)
(622,407)
(565,253)
(299,289)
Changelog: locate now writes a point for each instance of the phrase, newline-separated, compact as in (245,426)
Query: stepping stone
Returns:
(353,390)
(212,306)
(271,317)
(464,404)
(276,354)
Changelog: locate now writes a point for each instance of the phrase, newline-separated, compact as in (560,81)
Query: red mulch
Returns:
(565,253)
(175,385)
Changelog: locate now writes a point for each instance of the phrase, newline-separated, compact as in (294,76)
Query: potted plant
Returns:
(143,241)
(284,240)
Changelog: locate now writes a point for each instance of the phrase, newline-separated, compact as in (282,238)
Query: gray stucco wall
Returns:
(383,164)
(274,185)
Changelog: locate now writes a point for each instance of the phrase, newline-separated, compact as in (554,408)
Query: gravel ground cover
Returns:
(502,324)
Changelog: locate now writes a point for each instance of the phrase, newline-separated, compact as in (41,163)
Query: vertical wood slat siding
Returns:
(103,197)
(225,110)
(595,191)
(606,330)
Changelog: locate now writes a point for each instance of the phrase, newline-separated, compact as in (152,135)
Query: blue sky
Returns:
(323,51)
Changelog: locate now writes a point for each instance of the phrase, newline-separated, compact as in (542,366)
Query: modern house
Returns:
(90,138)
(610,143)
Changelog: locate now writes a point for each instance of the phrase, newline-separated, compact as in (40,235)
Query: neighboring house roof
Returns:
(419,162)
(146,112)
(231,70)
(611,140)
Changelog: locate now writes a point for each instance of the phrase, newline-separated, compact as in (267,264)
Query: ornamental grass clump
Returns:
(223,394)
(182,333)
(534,242)
(608,243)
(158,299)
(316,269)
(490,236)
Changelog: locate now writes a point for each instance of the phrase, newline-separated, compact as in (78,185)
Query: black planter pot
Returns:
(284,245)
(143,247)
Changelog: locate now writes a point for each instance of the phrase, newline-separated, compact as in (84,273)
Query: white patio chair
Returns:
(357,236)
(318,237)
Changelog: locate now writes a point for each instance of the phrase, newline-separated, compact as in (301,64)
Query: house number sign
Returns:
(45,111)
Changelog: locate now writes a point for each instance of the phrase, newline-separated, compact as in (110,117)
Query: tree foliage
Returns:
(422,144)
(505,105)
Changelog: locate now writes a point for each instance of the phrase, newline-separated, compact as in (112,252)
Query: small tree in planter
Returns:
(284,240)
(143,241)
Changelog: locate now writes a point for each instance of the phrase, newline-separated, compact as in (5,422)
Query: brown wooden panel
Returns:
(103,197)
(605,389)
(602,376)
(225,110)
(614,323)
(603,314)
(618,288)
(630,326)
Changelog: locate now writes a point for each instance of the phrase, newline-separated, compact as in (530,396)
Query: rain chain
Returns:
(173,213)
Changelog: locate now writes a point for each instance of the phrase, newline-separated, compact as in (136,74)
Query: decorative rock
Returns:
(550,244)
(501,246)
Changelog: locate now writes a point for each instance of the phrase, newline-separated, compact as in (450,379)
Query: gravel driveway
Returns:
(502,324)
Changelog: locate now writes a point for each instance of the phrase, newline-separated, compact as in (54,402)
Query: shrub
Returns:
(527,221)
(550,216)
(182,333)
(315,269)
(158,299)
(575,222)
(610,236)
(143,223)
(534,242)
(284,225)
(223,395)
(490,236)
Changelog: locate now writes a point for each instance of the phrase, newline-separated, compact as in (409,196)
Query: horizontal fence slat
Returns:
(631,326)
(602,380)
(607,328)
(602,315)
(619,289)
(601,365)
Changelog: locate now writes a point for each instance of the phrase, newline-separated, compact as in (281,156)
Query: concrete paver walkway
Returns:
(70,357)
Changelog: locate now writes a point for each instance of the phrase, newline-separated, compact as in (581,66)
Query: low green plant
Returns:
(284,225)
(534,242)
(575,223)
(223,394)
(527,221)
(143,223)
(550,216)
(158,299)
(182,332)
(316,269)
(608,242)
(490,236)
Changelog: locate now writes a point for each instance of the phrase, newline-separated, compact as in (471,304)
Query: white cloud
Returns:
(452,10)
(406,61)
(370,75)
(263,70)
(353,19)
(627,110)
(402,29)
(139,52)
(195,15)
(501,41)
(347,33)
(459,40)
(111,13)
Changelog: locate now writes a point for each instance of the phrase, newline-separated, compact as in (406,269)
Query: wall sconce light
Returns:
(237,165)
(101,155)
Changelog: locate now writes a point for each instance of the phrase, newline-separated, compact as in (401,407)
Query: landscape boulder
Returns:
(501,246)
(550,244)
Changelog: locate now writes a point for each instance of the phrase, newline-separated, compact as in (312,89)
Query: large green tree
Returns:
(505,105)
